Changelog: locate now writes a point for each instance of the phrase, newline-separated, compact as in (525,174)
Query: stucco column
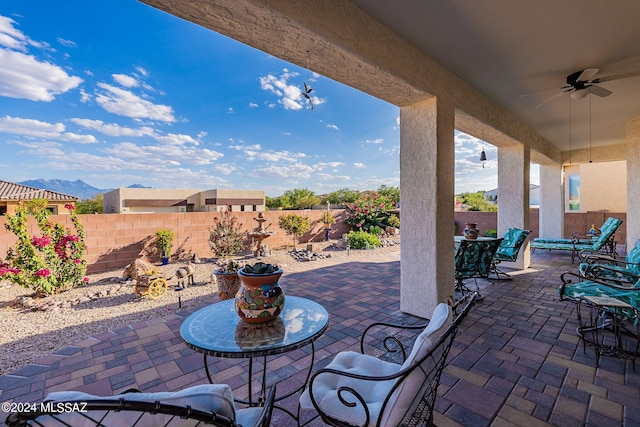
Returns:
(551,201)
(513,196)
(426,205)
(633,182)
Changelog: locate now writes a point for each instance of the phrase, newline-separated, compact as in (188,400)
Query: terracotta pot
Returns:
(260,298)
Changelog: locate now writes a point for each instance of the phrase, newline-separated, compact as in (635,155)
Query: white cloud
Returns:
(39,129)
(126,103)
(23,76)
(287,172)
(112,129)
(333,127)
(289,95)
(175,139)
(327,165)
(254,147)
(125,80)
(253,105)
(374,141)
(359,165)
(66,43)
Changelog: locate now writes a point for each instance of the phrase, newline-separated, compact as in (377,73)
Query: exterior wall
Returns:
(196,200)
(57,206)
(223,195)
(113,240)
(579,222)
(114,201)
(603,186)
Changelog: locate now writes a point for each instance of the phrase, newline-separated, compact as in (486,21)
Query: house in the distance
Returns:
(491,196)
(11,194)
(156,200)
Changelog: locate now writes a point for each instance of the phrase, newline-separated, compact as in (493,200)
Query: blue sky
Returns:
(119,93)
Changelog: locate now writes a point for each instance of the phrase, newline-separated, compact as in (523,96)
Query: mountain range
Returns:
(76,188)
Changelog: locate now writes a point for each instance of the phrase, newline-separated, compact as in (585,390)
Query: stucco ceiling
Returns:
(507,48)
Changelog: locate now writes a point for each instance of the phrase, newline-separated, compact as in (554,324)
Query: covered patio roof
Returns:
(464,65)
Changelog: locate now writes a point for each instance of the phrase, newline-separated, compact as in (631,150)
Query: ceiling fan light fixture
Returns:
(579,94)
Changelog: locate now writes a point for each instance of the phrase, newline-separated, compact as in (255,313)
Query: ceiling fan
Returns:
(582,83)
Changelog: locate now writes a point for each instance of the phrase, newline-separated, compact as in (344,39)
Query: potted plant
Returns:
(164,242)
(328,219)
(492,232)
(226,277)
(260,298)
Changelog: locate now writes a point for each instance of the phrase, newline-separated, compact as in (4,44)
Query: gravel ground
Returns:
(27,335)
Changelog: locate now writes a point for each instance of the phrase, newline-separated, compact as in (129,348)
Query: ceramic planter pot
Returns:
(228,285)
(260,299)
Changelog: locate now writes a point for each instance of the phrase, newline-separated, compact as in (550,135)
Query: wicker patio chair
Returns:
(357,389)
(508,251)
(207,404)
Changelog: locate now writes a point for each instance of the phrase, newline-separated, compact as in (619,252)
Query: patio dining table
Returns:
(217,330)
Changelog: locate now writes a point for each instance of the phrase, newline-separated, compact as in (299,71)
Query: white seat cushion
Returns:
(325,386)
(206,397)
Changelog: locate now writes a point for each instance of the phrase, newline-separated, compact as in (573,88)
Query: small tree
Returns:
(295,225)
(91,206)
(226,238)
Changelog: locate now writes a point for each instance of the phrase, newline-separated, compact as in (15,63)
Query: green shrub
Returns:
(362,239)
(394,221)
(164,241)
(375,230)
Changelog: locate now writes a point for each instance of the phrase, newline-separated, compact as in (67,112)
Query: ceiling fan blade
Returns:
(599,91)
(587,74)
(557,95)
(617,77)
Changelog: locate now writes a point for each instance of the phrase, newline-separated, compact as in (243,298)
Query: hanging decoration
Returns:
(307,89)
(483,156)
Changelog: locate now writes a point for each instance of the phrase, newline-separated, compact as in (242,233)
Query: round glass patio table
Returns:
(217,330)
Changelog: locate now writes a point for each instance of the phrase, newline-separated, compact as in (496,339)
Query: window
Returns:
(574,192)
(241,208)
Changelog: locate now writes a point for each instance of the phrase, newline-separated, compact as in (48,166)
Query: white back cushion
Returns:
(406,397)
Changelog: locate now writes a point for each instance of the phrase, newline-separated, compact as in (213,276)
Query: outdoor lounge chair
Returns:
(581,238)
(612,267)
(357,389)
(508,251)
(605,242)
(207,404)
(473,260)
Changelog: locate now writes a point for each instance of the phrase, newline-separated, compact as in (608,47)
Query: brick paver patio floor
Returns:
(516,362)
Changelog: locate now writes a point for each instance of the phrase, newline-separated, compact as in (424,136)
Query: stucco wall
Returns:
(114,240)
(603,186)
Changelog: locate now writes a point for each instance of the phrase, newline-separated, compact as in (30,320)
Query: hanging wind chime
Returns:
(483,156)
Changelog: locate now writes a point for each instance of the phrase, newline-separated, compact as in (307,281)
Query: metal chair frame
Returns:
(97,410)
(423,414)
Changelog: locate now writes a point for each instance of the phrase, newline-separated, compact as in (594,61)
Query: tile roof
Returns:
(12,191)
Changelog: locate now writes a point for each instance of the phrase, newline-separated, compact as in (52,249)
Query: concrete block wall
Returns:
(114,240)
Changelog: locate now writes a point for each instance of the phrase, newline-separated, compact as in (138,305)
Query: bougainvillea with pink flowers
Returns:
(50,262)
(369,210)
